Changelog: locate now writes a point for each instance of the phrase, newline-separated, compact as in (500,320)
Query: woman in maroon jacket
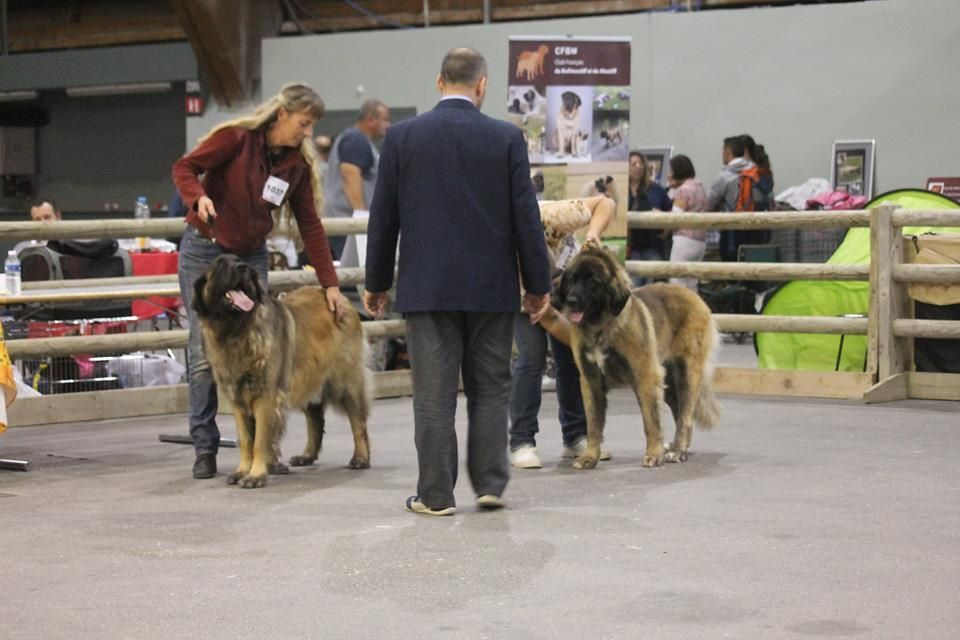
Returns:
(250,166)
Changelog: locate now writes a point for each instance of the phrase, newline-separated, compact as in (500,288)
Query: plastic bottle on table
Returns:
(141,211)
(12,271)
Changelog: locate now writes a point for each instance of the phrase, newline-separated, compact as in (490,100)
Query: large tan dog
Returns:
(641,338)
(268,356)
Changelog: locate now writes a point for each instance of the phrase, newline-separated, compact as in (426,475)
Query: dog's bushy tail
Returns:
(707,412)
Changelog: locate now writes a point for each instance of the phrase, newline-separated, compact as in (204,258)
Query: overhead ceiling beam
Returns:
(225,36)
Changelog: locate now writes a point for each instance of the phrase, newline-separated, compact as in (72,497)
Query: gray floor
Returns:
(791,520)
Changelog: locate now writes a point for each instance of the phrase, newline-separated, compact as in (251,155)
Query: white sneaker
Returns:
(579,447)
(525,457)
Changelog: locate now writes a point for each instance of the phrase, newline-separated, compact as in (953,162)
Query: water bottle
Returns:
(12,270)
(141,211)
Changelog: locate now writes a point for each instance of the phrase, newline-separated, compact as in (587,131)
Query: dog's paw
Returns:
(234,477)
(356,462)
(585,462)
(253,482)
(675,456)
(301,461)
(278,469)
(653,458)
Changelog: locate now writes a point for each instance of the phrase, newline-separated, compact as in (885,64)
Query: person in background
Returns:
(689,245)
(560,219)
(269,153)
(41,210)
(324,143)
(757,154)
(352,173)
(323,147)
(45,210)
(176,209)
(725,189)
(763,197)
(645,195)
(454,188)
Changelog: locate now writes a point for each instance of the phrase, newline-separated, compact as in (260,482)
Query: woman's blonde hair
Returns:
(295,97)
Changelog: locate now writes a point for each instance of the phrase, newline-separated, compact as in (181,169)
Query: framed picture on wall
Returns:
(852,165)
(658,163)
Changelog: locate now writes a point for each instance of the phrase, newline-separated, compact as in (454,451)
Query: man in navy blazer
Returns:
(454,186)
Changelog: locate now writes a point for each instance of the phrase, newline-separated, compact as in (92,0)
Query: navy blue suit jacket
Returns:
(455,186)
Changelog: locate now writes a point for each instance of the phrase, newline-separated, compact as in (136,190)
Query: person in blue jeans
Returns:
(560,219)
(269,154)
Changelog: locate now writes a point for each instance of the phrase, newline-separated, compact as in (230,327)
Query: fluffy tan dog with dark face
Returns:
(269,356)
(641,338)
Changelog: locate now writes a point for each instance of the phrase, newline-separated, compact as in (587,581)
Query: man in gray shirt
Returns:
(725,191)
(352,169)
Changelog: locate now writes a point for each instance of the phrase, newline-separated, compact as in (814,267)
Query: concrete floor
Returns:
(791,520)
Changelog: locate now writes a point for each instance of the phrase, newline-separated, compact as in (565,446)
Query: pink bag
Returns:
(836,200)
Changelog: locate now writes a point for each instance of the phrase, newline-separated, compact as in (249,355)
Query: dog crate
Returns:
(807,245)
(79,372)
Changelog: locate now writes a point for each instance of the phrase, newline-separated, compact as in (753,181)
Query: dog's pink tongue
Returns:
(576,316)
(240,300)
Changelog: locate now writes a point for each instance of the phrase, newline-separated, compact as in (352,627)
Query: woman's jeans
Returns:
(525,392)
(196,254)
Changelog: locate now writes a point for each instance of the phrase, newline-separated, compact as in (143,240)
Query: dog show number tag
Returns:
(275,190)
(570,248)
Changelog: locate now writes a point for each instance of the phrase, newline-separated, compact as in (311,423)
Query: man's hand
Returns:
(337,303)
(205,209)
(535,305)
(375,303)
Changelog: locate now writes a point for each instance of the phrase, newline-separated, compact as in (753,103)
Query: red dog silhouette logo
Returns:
(530,63)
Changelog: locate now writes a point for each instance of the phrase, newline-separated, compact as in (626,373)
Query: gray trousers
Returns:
(442,345)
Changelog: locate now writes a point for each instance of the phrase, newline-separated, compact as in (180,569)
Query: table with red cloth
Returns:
(154,263)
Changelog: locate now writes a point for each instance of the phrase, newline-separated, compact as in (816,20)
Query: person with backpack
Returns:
(756,153)
(735,189)
(761,189)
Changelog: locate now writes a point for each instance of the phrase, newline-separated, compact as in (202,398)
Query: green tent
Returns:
(814,352)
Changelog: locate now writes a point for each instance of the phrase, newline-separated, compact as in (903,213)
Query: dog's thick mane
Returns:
(620,283)
(220,316)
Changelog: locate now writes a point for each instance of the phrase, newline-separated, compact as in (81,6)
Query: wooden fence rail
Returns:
(148,341)
(926,218)
(126,228)
(135,288)
(765,220)
(791,324)
(748,270)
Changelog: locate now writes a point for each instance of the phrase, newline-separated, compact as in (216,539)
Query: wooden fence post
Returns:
(889,356)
